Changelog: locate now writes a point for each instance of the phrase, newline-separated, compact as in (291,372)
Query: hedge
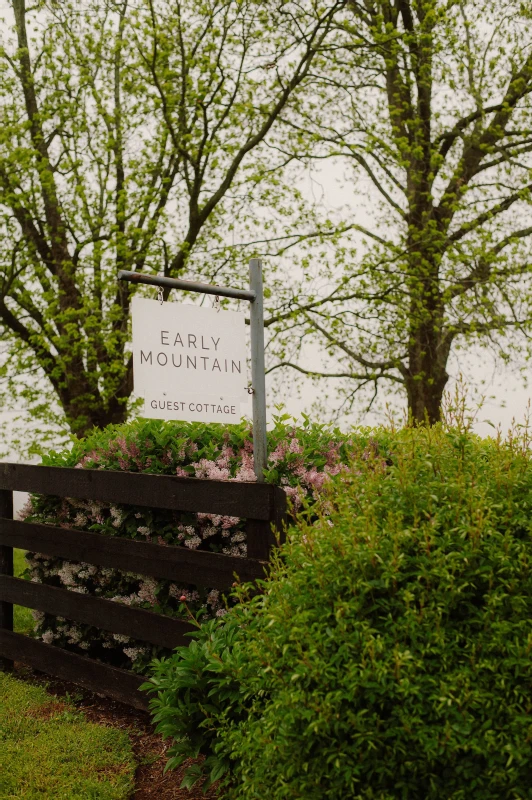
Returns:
(389,653)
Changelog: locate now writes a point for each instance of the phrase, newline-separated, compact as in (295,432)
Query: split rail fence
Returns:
(262,505)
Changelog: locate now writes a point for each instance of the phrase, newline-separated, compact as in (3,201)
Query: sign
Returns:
(189,362)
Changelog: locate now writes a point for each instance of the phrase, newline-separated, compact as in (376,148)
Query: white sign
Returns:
(189,362)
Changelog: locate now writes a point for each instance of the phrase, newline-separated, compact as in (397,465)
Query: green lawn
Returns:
(49,751)
(22,619)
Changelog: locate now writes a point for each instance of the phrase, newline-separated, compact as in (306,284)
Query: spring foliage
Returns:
(132,136)
(427,106)
(181,137)
(388,655)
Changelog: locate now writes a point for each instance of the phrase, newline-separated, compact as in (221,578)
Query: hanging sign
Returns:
(189,362)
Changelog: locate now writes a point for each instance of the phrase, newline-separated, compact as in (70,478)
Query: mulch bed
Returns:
(148,747)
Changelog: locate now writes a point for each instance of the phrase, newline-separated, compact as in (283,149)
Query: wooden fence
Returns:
(262,505)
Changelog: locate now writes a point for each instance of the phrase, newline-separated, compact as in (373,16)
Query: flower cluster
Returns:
(301,461)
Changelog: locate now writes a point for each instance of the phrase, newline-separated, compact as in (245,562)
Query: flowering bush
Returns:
(300,460)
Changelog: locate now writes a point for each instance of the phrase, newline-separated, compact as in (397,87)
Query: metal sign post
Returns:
(258,373)
(258,380)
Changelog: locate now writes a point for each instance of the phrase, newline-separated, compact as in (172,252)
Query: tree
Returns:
(132,136)
(428,101)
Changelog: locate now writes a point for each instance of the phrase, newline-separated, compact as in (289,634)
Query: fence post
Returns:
(262,536)
(6,568)
(280,514)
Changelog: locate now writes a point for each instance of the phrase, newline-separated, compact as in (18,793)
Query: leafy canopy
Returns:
(425,106)
(131,136)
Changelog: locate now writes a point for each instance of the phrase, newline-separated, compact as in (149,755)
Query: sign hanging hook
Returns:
(216,303)
(160,295)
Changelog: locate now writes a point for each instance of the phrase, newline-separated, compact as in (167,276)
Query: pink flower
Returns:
(278,454)
(167,458)
(230,522)
(246,473)
(209,469)
(133,450)
(295,447)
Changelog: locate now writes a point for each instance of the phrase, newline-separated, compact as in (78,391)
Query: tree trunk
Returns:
(427,374)
(90,418)
(87,410)
(425,398)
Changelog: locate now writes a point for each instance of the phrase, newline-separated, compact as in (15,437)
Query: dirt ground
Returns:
(148,747)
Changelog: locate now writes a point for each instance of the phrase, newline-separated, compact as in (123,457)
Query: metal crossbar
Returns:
(187,286)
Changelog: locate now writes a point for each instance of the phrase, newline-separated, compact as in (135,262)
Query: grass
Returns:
(22,619)
(50,751)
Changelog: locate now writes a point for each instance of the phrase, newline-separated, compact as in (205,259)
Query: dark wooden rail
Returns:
(262,505)
(249,500)
(171,563)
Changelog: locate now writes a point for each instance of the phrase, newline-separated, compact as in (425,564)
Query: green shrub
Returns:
(194,691)
(389,655)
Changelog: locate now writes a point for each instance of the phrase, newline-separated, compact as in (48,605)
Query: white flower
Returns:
(147,591)
(193,542)
(117,516)
(119,637)
(106,572)
(134,652)
(237,550)
(74,634)
(68,573)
